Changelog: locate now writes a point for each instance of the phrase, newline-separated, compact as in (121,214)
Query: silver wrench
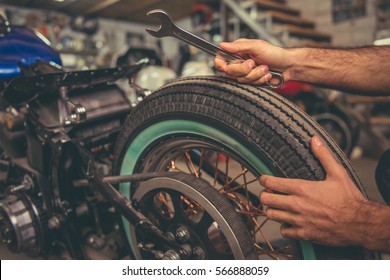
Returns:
(169,29)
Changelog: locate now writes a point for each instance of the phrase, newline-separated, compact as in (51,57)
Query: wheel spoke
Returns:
(263,235)
(227,170)
(240,186)
(278,252)
(232,181)
(262,251)
(216,171)
(190,164)
(245,188)
(252,213)
(202,153)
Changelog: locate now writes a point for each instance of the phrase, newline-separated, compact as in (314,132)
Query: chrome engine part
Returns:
(23,224)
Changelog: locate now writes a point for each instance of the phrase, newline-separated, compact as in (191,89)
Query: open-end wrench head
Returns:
(164,29)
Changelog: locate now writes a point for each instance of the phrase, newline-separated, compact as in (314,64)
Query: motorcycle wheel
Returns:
(229,134)
(194,214)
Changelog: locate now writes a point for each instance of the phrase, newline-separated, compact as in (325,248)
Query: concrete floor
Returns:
(365,168)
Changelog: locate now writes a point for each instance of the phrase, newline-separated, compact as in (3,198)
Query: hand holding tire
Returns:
(331,212)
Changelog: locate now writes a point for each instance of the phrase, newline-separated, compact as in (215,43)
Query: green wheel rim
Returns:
(174,127)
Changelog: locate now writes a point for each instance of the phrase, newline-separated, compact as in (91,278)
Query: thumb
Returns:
(229,47)
(244,46)
(324,155)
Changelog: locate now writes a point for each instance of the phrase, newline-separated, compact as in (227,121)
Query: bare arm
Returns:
(357,70)
(331,212)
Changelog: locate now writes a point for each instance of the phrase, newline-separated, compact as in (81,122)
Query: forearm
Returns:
(357,70)
(375,227)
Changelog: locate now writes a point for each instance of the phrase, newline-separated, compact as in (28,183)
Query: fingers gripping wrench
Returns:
(170,29)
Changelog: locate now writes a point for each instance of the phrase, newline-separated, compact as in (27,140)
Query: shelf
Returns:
(76,52)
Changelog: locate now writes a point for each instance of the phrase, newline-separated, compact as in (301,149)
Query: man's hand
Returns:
(261,56)
(331,212)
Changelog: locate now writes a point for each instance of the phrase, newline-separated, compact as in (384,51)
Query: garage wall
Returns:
(350,33)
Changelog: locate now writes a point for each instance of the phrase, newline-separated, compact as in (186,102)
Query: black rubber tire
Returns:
(269,125)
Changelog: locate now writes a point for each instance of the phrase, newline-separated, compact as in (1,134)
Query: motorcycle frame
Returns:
(49,150)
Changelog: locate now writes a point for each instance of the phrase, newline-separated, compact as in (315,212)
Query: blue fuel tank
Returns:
(21,46)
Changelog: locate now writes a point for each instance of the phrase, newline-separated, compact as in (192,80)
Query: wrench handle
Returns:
(276,81)
(203,44)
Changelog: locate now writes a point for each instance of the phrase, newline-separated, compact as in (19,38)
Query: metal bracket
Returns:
(70,113)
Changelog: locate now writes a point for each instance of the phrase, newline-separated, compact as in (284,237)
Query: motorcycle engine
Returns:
(32,221)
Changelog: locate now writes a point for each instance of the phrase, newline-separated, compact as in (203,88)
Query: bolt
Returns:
(182,234)
(6,235)
(158,255)
(96,241)
(171,255)
(147,246)
(186,249)
(198,253)
(169,235)
(54,222)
